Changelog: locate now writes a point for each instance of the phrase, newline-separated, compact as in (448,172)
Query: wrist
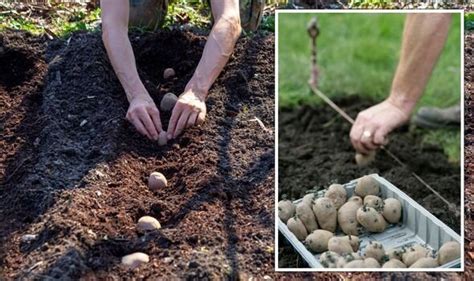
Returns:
(199,92)
(404,103)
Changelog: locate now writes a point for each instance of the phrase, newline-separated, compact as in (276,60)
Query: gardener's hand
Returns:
(372,126)
(190,110)
(144,115)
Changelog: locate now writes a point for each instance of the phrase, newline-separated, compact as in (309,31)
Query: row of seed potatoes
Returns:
(315,220)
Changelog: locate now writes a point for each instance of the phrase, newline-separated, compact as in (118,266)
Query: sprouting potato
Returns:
(367,185)
(329,259)
(347,216)
(353,241)
(355,264)
(296,226)
(306,215)
(338,195)
(426,262)
(392,210)
(413,254)
(449,251)
(286,209)
(370,219)
(394,263)
(394,254)
(340,245)
(374,202)
(371,263)
(309,199)
(318,240)
(343,260)
(326,214)
(375,250)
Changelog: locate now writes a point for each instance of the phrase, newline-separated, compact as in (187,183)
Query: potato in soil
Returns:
(286,209)
(168,73)
(168,102)
(157,181)
(134,260)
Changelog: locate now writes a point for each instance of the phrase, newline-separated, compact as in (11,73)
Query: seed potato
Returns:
(168,73)
(318,240)
(426,262)
(326,214)
(147,223)
(286,209)
(370,219)
(392,210)
(375,250)
(449,251)
(168,102)
(353,241)
(371,263)
(340,245)
(134,260)
(367,185)
(306,215)
(413,254)
(374,202)
(338,195)
(364,160)
(394,263)
(157,181)
(296,226)
(309,199)
(347,216)
(329,259)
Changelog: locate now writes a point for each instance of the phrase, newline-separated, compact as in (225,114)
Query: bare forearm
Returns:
(122,59)
(217,51)
(423,40)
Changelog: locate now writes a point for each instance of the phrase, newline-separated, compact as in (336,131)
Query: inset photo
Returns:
(369,168)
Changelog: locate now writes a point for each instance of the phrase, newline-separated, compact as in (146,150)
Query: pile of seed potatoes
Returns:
(315,220)
(146,224)
(167,104)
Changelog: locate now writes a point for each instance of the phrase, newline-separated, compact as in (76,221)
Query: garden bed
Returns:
(75,171)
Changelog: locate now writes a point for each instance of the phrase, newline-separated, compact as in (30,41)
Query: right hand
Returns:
(144,115)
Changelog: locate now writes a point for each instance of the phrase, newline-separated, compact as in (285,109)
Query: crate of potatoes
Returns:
(367,223)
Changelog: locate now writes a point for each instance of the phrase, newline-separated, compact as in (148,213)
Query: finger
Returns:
(155,117)
(174,120)
(149,126)
(183,119)
(139,126)
(200,118)
(380,137)
(192,120)
(356,132)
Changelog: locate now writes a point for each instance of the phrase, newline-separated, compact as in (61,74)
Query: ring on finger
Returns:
(367,134)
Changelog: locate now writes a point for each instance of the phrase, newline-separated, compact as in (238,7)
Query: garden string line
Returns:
(313,31)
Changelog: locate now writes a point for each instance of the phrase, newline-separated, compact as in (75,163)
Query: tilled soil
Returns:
(74,172)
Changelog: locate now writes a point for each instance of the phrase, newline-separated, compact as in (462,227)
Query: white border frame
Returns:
(278,12)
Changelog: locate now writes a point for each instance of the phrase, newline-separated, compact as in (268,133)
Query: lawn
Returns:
(357,55)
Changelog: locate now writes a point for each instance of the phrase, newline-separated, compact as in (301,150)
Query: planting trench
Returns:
(74,171)
(315,151)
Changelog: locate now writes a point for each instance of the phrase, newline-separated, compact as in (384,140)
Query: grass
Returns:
(357,55)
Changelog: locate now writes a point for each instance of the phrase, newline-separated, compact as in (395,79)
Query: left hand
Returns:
(190,110)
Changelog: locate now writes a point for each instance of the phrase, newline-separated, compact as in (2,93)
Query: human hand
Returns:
(144,115)
(372,126)
(190,110)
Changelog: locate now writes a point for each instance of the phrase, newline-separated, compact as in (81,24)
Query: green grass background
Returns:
(358,55)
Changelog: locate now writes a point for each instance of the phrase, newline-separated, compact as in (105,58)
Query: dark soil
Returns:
(315,151)
(82,188)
